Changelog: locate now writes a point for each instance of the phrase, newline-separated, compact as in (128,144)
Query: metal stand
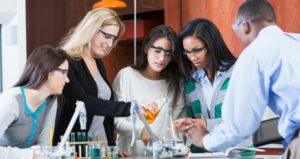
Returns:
(79,111)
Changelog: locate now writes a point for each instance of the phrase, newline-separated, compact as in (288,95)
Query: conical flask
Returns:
(161,102)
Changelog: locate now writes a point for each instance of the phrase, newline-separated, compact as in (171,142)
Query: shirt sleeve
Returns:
(44,138)
(122,125)
(211,123)
(243,105)
(9,111)
(96,106)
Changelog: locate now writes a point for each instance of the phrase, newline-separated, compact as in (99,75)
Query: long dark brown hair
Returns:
(40,63)
(219,56)
(171,72)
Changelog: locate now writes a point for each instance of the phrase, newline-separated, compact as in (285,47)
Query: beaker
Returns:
(95,151)
(112,152)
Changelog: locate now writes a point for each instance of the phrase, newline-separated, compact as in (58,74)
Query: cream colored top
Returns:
(130,85)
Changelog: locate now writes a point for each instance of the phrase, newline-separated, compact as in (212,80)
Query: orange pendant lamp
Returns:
(110,4)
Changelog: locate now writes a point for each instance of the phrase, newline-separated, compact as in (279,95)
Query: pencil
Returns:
(51,137)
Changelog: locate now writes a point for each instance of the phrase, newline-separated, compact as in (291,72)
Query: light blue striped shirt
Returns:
(267,73)
(200,76)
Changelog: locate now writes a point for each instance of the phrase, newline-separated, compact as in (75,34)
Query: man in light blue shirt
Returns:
(267,73)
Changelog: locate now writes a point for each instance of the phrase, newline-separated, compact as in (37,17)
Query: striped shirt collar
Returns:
(200,74)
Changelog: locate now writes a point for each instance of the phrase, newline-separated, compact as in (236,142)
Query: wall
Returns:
(14,45)
(287,13)
(7,10)
(222,13)
(49,20)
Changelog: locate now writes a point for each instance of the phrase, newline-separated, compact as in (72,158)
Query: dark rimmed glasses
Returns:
(158,50)
(63,71)
(195,51)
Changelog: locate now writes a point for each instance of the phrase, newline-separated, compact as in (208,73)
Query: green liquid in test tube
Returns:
(84,149)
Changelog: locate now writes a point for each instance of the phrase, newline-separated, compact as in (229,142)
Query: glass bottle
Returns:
(161,102)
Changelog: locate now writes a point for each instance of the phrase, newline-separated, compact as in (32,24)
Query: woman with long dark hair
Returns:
(28,109)
(155,75)
(206,64)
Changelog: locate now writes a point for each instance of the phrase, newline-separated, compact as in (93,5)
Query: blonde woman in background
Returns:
(92,39)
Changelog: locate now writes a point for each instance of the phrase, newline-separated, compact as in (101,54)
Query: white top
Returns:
(130,85)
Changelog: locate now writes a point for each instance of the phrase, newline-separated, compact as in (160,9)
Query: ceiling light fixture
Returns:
(110,4)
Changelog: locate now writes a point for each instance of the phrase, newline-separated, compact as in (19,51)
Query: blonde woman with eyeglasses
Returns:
(91,40)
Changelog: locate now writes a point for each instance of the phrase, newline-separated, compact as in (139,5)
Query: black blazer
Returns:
(83,87)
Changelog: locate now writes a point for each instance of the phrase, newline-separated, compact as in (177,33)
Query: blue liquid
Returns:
(113,155)
(95,153)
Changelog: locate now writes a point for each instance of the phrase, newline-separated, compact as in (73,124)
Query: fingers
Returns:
(190,133)
(189,127)
(182,124)
(200,122)
(147,140)
(178,125)
(188,121)
(146,137)
(151,106)
(195,134)
(124,153)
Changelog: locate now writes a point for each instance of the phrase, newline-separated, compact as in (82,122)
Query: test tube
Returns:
(79,137)
(84,149)
(90,136)
(73,139)
(112,152)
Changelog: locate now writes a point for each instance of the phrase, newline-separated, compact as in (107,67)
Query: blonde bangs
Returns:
(77,41)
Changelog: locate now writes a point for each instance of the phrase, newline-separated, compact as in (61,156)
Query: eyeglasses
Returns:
(158,50)
(108,36)
(196,51)
(237,24)
(63,71)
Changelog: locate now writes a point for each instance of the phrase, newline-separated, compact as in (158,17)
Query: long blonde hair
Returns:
(79,38)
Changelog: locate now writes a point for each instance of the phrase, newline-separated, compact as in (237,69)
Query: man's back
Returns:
(276,55)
